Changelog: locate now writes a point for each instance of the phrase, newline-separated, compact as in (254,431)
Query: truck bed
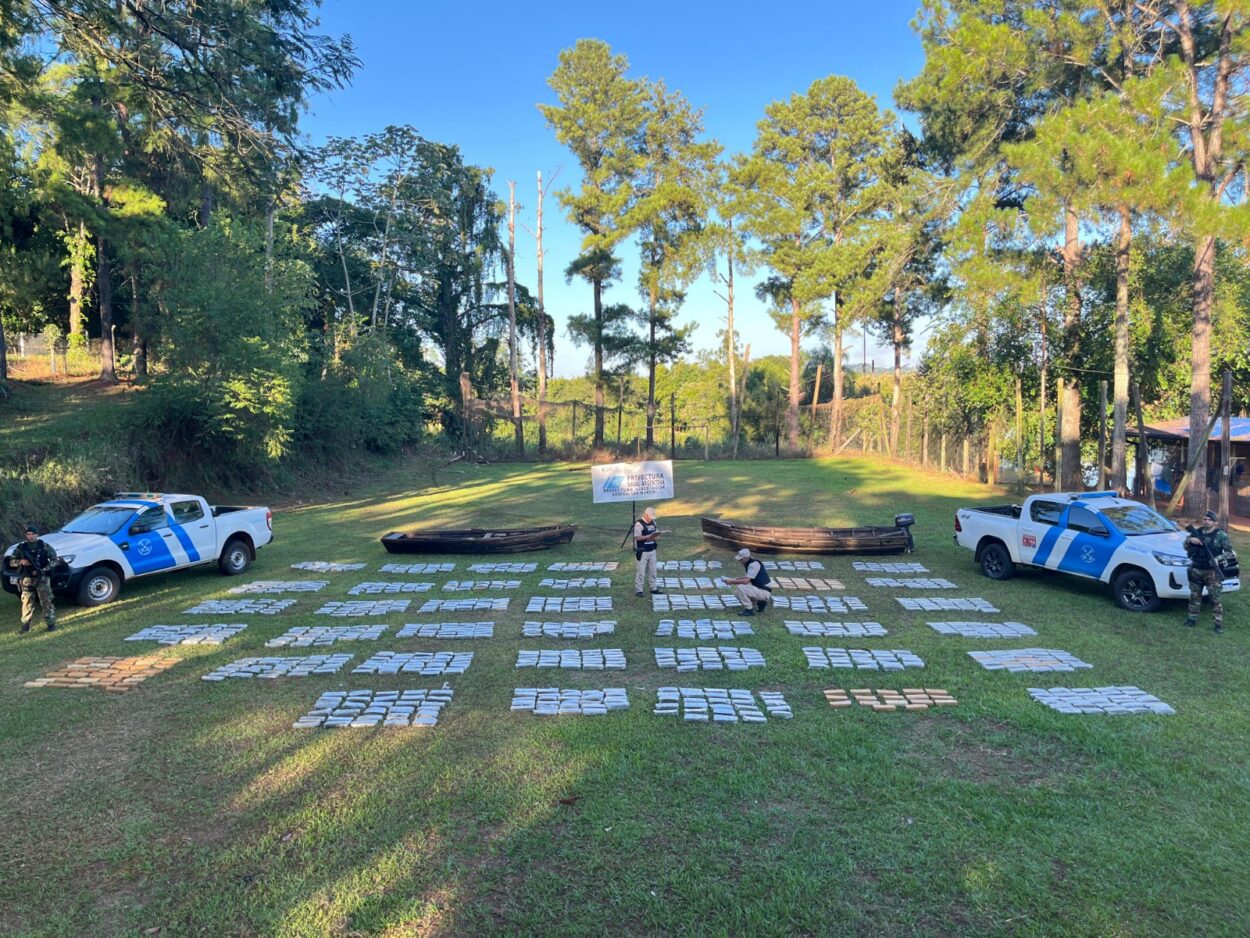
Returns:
(1009,511)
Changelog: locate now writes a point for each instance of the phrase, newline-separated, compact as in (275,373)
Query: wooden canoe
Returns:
(768,540)
(478,540)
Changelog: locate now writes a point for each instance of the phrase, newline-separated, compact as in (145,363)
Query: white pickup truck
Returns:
(1095,535)
(139,534)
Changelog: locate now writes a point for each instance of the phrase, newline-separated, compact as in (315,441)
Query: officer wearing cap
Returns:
(752,590)
(34,559)
(1205,546)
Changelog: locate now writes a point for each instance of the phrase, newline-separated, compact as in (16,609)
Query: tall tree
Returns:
(1208,45)
(600,115)
(809,188)
(514,384)
(670,213)
(729,242)
(993,69)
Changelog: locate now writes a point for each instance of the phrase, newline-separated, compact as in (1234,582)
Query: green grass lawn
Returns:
(193,808)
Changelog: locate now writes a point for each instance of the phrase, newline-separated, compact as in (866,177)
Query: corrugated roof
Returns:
(1178,429)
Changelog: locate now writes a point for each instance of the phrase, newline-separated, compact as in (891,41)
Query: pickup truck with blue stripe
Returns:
(1093,535)
(140,534)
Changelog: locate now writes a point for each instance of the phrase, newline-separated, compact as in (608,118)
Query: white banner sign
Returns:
(632,481)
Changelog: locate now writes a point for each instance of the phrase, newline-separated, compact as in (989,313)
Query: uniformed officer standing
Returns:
(752,590)
(645,535)
(1205,546)
(33,559)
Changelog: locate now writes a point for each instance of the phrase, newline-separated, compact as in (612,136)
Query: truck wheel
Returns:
(996,562)
(100,585)
(235,558)
(1134,590)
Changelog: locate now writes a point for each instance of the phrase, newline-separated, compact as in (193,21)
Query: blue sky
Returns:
(473,74)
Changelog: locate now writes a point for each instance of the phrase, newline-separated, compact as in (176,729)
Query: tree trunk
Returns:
(1119,417)
(139,344)
(742,393)
(4,354)
(896,406)
(598,297)
(729,341)
(1059,473)
(1200,369)
(206,203)
(77,258)
(835,412)
(1041,412)
(1070,430)
(651,371)
(270,209)
(1102,436)
(518,427)
(792,412)
(542,330)
(104,274)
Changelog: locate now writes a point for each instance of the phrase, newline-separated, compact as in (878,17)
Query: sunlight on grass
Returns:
(199,804)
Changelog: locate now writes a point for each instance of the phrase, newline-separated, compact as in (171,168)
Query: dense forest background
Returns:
(1069,207)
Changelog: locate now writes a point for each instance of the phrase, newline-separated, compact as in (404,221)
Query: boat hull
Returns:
(769,540)
(477,540)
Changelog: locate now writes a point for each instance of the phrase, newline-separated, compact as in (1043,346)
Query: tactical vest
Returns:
(647,527)
(761,579)
(37,555)
(1201,557)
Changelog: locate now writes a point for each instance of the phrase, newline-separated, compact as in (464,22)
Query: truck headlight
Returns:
(68,559)
(1171,560)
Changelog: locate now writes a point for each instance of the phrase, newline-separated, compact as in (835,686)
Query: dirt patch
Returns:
(980,751)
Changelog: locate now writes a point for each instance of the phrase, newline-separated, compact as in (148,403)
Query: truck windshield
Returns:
(1138,519)
(99,520)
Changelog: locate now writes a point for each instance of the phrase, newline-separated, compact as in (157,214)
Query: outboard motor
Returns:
(905,522)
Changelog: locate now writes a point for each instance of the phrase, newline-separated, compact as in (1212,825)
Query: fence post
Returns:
(942,461)
(573,434)
(924,442)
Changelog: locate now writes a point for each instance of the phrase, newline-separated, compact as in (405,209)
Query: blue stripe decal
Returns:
(185,540)
(1047,545)
(1089,555)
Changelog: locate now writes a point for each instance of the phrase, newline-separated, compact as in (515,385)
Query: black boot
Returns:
(1190,622)
(52,627)
(24,628)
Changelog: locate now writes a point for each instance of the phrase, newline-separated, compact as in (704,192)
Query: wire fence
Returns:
(45,356)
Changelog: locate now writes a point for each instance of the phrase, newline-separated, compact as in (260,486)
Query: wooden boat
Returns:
(478,540)
(768,540)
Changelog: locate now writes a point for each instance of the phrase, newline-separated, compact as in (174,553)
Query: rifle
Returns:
(1215,562)
(36,571)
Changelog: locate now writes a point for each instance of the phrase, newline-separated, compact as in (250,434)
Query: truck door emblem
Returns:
(1087,554)
(1030,540)
(145,547)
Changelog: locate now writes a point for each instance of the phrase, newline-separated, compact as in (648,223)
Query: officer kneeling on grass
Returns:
(33,559)
(1205,546)
(752,589)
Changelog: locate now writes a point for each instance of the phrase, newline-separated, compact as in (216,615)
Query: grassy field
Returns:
(191,808)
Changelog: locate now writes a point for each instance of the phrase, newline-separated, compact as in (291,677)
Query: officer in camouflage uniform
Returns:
(1205,546)
(33,559)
